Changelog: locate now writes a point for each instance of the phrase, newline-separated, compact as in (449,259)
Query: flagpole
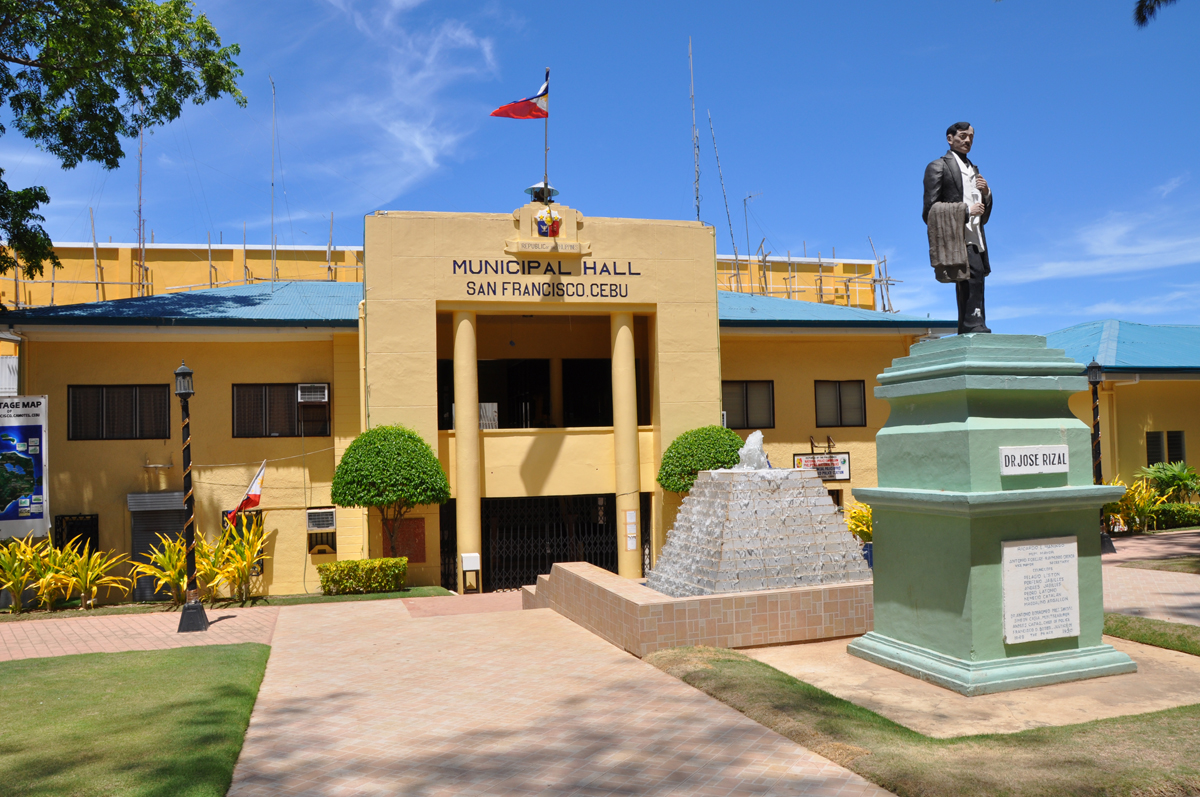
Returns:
(546,152)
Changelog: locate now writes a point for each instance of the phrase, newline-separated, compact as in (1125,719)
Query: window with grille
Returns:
(279,410)
(748,405)
(1165,447)
(118,412)
(841,403)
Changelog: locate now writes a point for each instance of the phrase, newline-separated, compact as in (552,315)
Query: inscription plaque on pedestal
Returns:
(1041,589)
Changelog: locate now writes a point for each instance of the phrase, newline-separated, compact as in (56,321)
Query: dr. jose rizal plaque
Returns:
(1041,589)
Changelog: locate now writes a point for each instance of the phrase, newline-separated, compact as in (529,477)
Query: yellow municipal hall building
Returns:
(548,373)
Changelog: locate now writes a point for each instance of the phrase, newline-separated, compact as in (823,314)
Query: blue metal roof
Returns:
(1122,346)
(264,304)
(747,310)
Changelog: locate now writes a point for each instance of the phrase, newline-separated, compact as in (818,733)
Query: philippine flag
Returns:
(529,108)
(253,493)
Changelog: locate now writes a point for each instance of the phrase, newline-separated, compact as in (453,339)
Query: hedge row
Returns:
(359,576)
(706,448)
(1176,516)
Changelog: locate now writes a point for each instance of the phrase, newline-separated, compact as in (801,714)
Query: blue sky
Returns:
(1085,128)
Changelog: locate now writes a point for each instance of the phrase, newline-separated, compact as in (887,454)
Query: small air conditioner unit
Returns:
(322,519)
(313,393)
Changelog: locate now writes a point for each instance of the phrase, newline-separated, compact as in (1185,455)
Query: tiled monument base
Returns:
(641,621)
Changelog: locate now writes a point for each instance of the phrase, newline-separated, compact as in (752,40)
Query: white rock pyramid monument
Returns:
(754,527)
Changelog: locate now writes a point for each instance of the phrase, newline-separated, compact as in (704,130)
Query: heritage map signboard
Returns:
(1041,589)
(23,501)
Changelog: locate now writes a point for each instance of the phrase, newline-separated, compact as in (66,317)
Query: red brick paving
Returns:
(1158,594)
(364,699)
(1162,545)
(28,639)
(443,605)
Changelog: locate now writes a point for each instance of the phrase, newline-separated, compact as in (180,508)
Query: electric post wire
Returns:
(273,274)
(695,132)
(728,216)
(746,217)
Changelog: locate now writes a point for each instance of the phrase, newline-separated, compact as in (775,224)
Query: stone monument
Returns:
(753,527)
(986,530)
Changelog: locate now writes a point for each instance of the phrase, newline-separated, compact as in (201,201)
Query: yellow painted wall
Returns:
(794,362)
(411,285)
(172,267)
(94,476)
(1128,411)
(809,279)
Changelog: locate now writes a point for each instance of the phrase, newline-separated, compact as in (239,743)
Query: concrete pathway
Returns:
(365,699)
(1159,594)
(1164,679)
(1162,545)
(114,633)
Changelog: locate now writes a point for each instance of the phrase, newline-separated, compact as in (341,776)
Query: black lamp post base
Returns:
(1106,543)
(193,618)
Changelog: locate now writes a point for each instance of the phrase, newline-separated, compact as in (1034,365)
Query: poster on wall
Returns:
(24,504)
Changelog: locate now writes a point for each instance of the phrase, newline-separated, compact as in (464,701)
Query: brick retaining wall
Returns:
(640,620)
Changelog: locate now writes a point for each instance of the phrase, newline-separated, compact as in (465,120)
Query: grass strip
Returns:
(274,600)
(161,722)
(1159,633)
(1178,564)
(1147,755)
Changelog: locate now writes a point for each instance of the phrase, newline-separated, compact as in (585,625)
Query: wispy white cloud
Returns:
(1120,243)
(1171,185)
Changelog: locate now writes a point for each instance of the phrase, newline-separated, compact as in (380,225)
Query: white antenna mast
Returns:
(728,217)
(274,272)
(695,133)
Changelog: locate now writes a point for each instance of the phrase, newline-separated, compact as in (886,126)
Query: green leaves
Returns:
(706,448)
(390,468)
(1176,481)
(79,75)
(361,576)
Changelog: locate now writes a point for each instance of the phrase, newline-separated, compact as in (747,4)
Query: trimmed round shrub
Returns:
(706,448)
(392,469)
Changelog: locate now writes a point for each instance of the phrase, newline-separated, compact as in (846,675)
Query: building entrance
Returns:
(524,537)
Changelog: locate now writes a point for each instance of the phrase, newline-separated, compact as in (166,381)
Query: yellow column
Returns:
(625,447)
(466,438)
(556,392)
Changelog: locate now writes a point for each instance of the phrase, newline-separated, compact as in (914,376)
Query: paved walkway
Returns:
(364,699)
(1163,545)
(1158,594)
(31,639)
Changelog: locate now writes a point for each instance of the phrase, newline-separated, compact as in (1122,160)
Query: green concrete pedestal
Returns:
(943,510)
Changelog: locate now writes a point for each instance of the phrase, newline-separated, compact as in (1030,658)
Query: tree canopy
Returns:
(392,469)
(80,75)
(1145,10)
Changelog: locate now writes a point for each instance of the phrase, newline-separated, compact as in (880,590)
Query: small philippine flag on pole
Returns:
(253,493)
(534,107)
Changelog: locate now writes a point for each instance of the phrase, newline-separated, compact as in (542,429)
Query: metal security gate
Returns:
(146,527)
(524,537)
(448,528)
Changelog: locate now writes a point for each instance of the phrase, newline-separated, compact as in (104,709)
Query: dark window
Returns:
(748,405)
(1175,448)
(1154,448)
(587,392)
(1165,447)
(118,412)
(277,411)
(841,403)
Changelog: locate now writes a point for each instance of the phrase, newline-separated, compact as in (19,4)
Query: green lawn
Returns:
(1147,755)
(276,600)
(163,722)
(1179,564)
(1159,633)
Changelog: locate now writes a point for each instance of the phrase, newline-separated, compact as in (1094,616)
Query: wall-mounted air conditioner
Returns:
(316,393)
(324,519)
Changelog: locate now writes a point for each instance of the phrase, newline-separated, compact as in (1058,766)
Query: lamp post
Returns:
(192,618)
(1095,375)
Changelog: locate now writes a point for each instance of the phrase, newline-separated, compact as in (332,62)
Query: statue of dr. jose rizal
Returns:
(955,181)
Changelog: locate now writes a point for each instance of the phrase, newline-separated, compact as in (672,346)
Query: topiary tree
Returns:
(392,469)
(706,448)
